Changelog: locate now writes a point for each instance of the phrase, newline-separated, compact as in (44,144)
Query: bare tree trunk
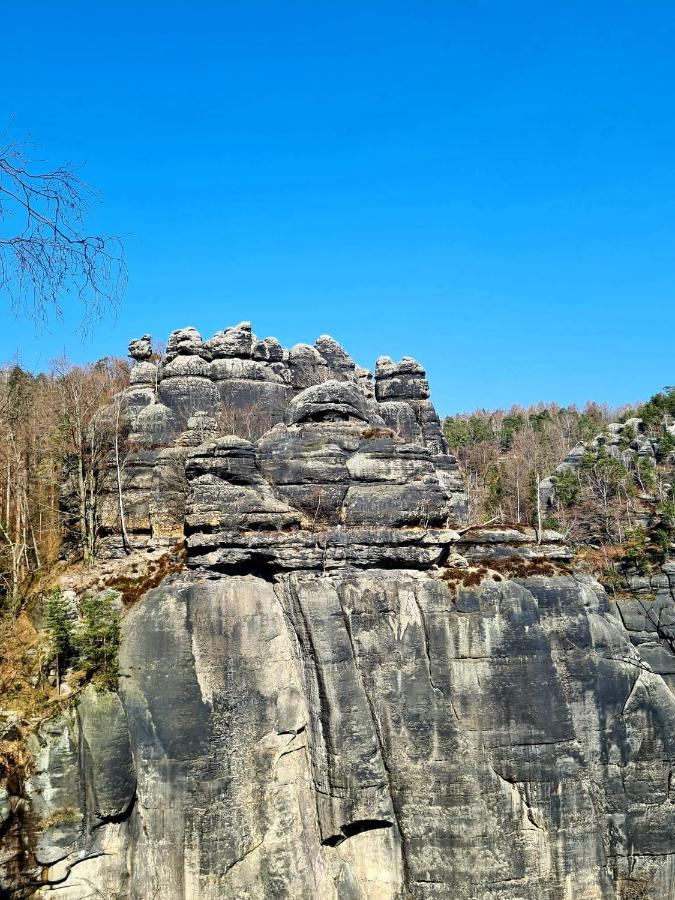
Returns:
(91,496)
(82,506)
(517,496)
(9,495)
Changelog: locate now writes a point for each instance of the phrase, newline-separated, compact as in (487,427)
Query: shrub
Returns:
(636,553)
(551,523)
(612,579)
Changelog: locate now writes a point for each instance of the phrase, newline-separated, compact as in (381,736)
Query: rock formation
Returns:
(234,383)
(347,693)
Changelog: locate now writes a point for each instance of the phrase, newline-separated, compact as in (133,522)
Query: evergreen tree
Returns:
(567,486)
(61,630)
(99,638)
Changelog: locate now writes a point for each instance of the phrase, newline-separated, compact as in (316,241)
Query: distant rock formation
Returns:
(349,692)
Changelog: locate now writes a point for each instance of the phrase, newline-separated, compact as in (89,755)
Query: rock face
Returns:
(348,693)
(234,383)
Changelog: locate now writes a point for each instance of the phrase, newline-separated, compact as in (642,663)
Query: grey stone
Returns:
(307,367)
(106,754)
(254,370)
(144,373)
(330,401)
(185,341)
(186,365)
(268,350)
(141,348)
(232,342)
(338,361)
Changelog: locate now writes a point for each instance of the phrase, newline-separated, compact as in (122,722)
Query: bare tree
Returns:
(117,432)
(87,433)
(28,479)
(45,250)
(51,425)
(249,421)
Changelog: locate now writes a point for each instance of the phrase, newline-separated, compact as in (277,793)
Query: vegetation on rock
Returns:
(89,640)
(610,487)
(501,452)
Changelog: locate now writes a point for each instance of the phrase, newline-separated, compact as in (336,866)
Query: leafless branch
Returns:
(45,251)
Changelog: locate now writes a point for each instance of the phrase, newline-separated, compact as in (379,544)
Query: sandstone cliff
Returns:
(347,692)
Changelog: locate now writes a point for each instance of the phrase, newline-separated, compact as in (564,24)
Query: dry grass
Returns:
(133,587)
(375,432)
(517,567)
(638,887)
(132,575)
(64,816)
(502,570)
(471,577)
(22,657)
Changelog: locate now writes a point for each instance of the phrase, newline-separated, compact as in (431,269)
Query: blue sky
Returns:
(487,186)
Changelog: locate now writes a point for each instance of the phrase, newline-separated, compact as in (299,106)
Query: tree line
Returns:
(505,453)
(621,493)
(52,425)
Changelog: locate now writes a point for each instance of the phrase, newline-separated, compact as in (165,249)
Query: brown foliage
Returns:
(502,570)
(248,422)
(375,432)
(50,423)
(133,587)
(22,687)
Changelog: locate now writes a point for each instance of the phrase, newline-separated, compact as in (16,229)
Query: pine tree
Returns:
(99,638)
(61,630)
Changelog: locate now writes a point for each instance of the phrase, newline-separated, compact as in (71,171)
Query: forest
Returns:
(53,433)
(615,500)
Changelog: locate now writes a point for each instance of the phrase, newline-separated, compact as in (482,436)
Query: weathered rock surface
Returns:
(348,693)
(377,734)
(241,385)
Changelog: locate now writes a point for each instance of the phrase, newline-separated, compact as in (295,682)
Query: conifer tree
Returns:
(61,630)
(99,638)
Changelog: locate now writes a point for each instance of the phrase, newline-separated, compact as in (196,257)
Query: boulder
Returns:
(140,349)
(185,341)
(236,341)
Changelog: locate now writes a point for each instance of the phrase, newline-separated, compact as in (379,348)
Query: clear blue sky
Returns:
(487,186)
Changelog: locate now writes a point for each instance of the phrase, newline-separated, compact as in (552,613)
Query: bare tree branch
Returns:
(45,251)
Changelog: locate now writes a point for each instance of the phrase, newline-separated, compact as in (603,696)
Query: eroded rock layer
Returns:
(348,693)
(234,383)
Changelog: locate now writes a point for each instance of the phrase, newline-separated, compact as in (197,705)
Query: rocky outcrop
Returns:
(234,383)
(625,442)
(642,580)
(348,692)
(647,610)
(380,733)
